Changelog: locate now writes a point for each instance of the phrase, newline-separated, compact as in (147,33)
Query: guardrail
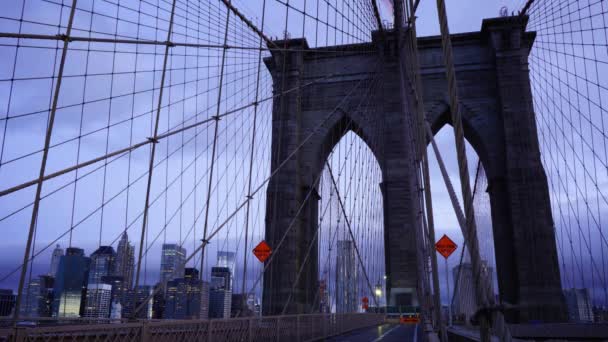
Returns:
(291,328)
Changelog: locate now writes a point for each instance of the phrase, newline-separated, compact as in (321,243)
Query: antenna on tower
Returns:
(504,11)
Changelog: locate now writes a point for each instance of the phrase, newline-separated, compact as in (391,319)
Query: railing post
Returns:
(210,331)
(20,334)
(144,332)
(298,331)
(250,330)
(278,337)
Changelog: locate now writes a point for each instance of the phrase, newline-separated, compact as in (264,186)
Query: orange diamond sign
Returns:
(262,251)
(445,246)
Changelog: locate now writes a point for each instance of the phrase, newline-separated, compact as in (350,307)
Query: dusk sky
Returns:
(108,101)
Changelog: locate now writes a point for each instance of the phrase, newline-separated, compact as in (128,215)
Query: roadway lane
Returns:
(384,333)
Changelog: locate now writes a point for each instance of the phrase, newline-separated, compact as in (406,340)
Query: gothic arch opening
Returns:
(351,225)
(458,264)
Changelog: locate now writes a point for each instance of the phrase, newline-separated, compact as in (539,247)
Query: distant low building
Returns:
(140,297)
(579,305)
(346,278)
(183,296)
(7,302)
(46,297)
(600,314)
(31,294)
(239,307)
(116,310)
(119,290)
(98,301)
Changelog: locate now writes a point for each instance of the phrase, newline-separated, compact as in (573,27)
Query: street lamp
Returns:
(378,293)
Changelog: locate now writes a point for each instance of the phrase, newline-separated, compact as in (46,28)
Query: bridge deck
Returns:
(385,333)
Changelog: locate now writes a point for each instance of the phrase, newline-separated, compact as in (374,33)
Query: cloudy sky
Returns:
(109,99)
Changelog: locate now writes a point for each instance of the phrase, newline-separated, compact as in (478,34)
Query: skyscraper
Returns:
(125,261)
(98,301)
(118,290)
(141,298)
(102,264)
(29,306)
(47,295)
(346,278)
(71,283)
(204,314)
(171,262)
(57,254)
(220,293)
(226,259)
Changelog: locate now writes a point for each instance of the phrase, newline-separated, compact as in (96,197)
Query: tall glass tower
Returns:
(172,262)
(220,293)
(125,261)
(71,283)
(102,264)
(57,254)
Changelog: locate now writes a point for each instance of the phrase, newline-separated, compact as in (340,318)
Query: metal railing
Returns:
(291,328)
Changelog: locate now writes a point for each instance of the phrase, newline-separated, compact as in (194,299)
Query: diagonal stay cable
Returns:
(151,140)
(260,187)
(369,285)
(284,236)
(316,235)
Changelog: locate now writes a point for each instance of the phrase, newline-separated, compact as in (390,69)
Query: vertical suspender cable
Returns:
(214,148)
(253,136)
(425,171)
(45,154)
(154,140)
(470,235)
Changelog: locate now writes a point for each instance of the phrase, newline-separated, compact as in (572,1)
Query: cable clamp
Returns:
(169,43)
(249,197)
(205,241)
(64,37)
(216,118)
(153,140)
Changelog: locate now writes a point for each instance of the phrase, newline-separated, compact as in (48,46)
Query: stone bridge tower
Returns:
(499,122)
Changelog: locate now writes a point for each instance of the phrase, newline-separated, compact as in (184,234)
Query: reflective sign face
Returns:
(262,251)
(445,246)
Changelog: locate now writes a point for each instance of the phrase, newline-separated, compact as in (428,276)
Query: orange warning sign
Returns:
(445,246)
(262,251)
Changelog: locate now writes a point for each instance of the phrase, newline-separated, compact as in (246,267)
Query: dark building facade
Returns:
(47,295)
(119,290)
(183,296)
(7,302)
(220,293)
(103,262)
